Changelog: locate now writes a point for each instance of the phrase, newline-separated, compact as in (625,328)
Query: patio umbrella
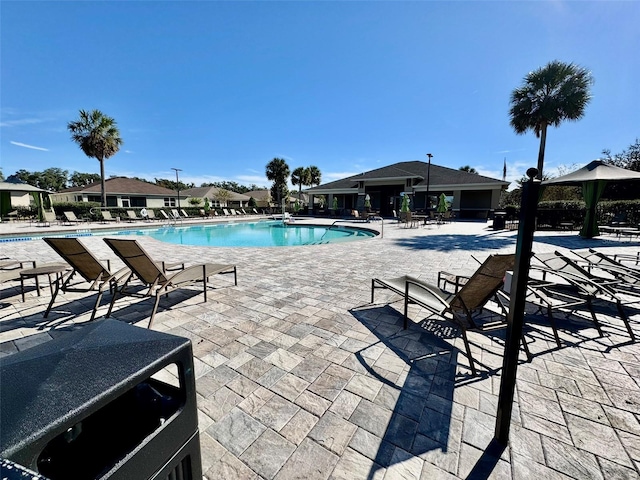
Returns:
(405,203)
(442,203)
(593,178)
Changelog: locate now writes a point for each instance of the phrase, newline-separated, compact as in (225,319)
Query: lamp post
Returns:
(177,183)
(428,173)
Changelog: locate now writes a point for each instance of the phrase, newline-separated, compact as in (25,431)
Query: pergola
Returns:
(593,178)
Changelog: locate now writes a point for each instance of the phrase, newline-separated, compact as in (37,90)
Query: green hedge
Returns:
(552,213)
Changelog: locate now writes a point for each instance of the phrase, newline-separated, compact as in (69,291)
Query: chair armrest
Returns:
(170,267)
(457,280)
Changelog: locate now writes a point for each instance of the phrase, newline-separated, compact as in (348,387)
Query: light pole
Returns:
(428,173)
(177,183)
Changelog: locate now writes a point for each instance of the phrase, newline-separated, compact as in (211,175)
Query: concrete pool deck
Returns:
(299,376)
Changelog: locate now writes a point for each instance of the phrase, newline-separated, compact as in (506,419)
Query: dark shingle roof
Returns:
(125,186)
(415,169)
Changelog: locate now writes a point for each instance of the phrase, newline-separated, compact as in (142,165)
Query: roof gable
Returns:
(417,170)
(123,185)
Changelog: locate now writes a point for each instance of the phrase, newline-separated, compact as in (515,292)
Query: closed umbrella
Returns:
(593,178)
(442,203)
(405,203)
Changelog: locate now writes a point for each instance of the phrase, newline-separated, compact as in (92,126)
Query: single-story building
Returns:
(14,195)
(262,197)
(264,200)
(469,194)
(238,200)
(125,193)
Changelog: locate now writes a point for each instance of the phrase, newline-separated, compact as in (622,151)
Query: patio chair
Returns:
(71,218)
(564,292)
(557,261)
(632,259)
(151,215)
(10,269)
(594,286)
(155,278)
(49,218)
(106,216)
(132,217)
(164,215)
(184,214)
(457,308)
(594,260)
(98,277)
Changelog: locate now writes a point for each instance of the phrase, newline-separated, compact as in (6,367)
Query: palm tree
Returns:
(315,177)
(554,93)
(278,172)
(302,177)
(468,169)
(98,137)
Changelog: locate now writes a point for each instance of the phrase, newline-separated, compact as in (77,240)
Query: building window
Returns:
(77,198)
(169,202)
(138,201)
(125,202)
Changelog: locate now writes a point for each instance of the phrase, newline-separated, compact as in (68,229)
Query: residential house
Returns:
(125,193)
(262,198)
(235,200)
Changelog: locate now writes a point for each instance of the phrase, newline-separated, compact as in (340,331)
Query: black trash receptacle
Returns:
(499,220)
(108,400)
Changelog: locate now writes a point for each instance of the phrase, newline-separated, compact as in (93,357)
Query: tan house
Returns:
(262,197)
(235,200)
(125,193)
(14,195)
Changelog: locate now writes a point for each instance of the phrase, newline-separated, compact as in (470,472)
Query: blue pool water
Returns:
(255,234)
(258,234)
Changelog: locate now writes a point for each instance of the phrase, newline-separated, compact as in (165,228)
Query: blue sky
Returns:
(218,89)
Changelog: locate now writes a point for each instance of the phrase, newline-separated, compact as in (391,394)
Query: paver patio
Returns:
(299,376)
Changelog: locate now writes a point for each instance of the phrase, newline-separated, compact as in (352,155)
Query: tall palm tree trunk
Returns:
(103,187)
(543,143)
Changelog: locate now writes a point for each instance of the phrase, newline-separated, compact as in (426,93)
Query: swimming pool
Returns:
(251,234)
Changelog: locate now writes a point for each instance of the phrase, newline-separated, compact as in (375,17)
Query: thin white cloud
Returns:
(330,176)
(32,147)
(24,121)
(253,179)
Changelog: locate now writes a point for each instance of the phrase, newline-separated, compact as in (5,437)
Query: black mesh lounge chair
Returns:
(95,276)
(595,286)
(596,262)
(615,280)
(459,307)
(155,278)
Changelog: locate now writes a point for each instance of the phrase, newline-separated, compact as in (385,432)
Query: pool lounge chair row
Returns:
(557,283)
(88,274)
